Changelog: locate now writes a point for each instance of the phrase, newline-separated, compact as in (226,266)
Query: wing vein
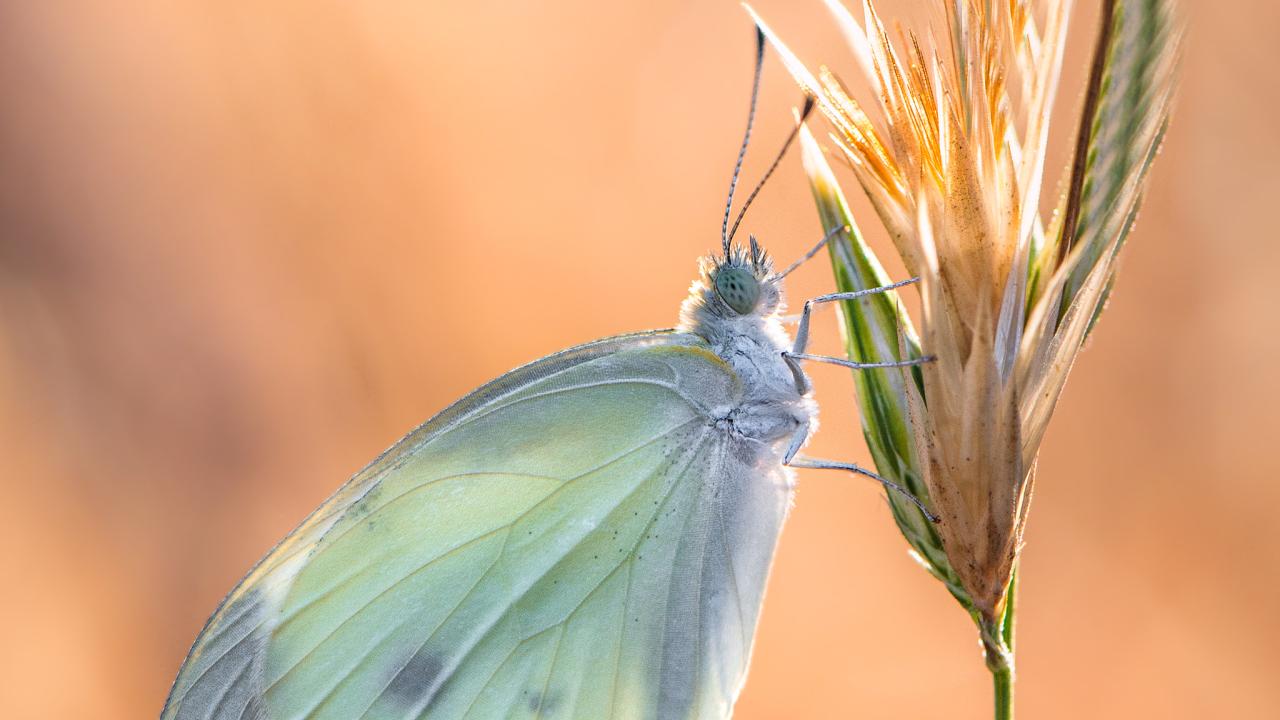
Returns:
(446,619)
(622,631)
(629,557)
(226,691)
(506,658)
(225,625)
(733,570)
(630,554)
(205,670)
(555,653)
(671,575)
(489,410)
(329,635)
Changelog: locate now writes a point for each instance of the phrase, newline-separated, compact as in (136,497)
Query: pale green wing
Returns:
(579,539)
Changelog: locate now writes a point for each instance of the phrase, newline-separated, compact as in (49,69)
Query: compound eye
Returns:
(738,288)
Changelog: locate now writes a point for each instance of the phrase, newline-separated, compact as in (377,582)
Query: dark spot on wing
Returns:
(542,705)
(418,679)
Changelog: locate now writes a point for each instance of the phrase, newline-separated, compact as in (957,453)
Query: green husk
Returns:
(1134,92)
(876,328)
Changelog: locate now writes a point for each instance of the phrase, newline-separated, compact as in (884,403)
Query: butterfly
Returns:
(588,536)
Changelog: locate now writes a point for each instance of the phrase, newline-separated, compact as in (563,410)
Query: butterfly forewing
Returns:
(579,539)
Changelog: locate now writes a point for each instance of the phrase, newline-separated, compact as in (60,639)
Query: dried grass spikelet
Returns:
(954,170)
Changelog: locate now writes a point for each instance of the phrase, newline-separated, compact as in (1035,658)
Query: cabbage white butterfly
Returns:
(588,536)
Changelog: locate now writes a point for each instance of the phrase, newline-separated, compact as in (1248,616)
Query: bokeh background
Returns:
(244,246)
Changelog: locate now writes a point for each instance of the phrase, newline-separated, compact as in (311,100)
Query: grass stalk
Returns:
(998,648)
(1002,680)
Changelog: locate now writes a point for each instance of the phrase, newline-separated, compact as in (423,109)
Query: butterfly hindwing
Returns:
(579,539)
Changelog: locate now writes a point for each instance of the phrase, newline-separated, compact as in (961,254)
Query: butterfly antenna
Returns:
(804,113)
(746,138)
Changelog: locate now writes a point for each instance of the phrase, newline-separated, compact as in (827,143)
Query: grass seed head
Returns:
(954,168)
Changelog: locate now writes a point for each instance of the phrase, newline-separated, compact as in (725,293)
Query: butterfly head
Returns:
(741,283)
(734,291)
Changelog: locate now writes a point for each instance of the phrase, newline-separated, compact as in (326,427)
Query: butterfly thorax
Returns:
(734,305)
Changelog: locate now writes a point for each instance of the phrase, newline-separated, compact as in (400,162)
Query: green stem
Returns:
(997,645)
(1002,682)
(999,657)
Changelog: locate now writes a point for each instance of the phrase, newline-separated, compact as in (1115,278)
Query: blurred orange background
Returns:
(244,246)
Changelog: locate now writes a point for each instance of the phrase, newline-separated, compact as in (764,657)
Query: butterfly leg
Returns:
(792,458)
(802,332)
(798,440)
(816,464)
(797,353)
